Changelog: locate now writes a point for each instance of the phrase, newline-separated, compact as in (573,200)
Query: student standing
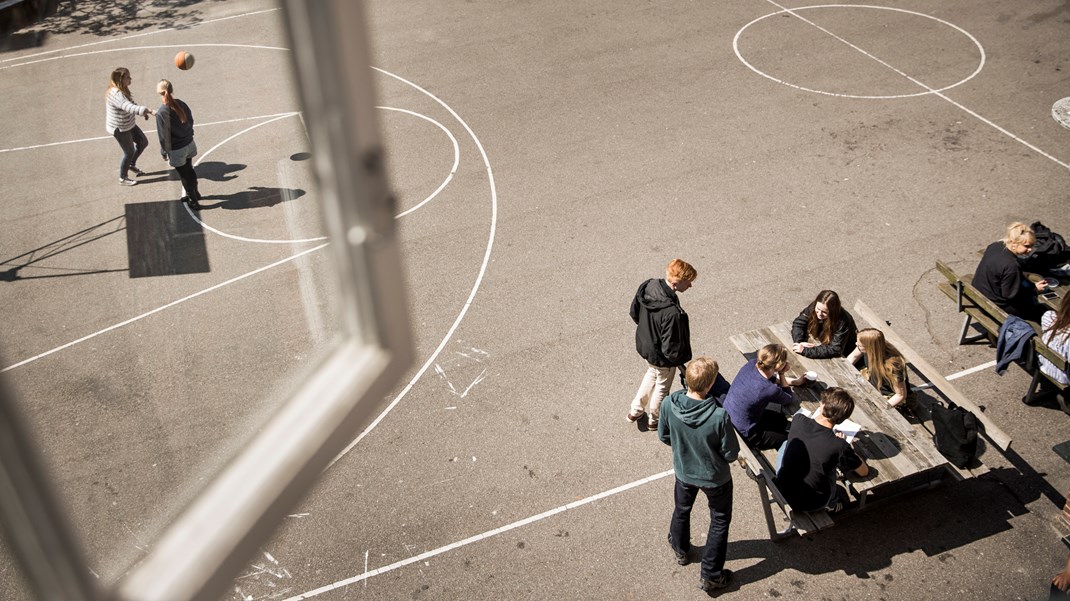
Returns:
(662,336)
(703,447)
(174,126)
(120,114)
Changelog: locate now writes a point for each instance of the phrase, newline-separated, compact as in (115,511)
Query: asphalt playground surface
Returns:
(566,152)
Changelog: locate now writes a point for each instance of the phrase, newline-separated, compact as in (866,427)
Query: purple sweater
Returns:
(749,395)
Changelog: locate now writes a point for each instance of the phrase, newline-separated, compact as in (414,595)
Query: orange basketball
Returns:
(184,60)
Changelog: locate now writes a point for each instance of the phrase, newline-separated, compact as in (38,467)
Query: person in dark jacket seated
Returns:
(999,275)
(806,471)
(761,382)
(828,324)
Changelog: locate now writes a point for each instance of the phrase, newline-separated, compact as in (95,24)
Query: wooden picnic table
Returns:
(1060,290)
(899,456)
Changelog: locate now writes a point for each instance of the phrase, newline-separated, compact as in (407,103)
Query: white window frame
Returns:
(203,550)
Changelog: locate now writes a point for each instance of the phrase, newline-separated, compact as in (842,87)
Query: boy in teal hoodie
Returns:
(703,445)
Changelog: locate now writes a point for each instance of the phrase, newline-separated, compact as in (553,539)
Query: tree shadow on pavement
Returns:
(115,17)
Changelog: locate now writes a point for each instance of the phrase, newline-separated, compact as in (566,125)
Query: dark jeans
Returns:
(189,179)
(133,143)
(770,433)
(720,502)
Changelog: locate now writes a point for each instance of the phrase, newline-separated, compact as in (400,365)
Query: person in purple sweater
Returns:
(759,383)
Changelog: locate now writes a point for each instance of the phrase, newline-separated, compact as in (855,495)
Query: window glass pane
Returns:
(147,341)
(13,586)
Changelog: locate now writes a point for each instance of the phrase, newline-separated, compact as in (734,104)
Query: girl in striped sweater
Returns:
(119,119)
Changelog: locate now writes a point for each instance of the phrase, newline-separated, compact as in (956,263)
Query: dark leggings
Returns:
(770,432)
(133,143)
(189,179)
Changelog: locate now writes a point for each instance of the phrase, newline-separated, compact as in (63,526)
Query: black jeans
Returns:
(189,179)
(133,143)
(719,499)
(770,432)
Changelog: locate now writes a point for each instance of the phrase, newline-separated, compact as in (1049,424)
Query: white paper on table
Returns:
(849,428)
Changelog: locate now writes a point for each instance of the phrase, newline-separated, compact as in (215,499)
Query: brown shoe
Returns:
(634,417)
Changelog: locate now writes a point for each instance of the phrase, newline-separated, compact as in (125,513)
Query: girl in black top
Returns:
(174,125)
(826,322)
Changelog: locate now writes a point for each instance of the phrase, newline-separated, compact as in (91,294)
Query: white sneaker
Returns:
(126,182)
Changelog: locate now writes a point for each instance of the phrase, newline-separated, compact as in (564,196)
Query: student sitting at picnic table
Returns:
(807,463)
(883,365)
(1055,332)
(999,276)
(827,322)
(759,383)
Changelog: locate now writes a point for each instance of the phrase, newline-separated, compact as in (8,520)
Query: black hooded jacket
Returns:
(663,333)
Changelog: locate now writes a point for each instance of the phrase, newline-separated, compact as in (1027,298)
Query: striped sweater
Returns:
(120,112)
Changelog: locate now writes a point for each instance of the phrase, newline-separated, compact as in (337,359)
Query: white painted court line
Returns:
(479,537)
(475,287)
(514,525)
(129,37)
(794,12)
(147,131)
(161,308)
(971,370)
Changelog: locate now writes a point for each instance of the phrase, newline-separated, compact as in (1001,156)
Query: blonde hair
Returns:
(883,359)
(115,82)
(701,373)
(678,269)
(168,98)
(772,356)
(1019,233)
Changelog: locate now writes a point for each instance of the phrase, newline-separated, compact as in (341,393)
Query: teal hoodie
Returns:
(702,438)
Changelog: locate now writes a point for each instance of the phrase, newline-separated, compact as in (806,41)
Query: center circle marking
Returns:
(790,11)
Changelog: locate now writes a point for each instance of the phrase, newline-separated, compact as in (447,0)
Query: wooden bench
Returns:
(992,433)
(978,309)
(984,314)
(759,469)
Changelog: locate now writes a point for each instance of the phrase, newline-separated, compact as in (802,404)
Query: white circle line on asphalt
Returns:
(475,286)
(793,12)
(453,170)
(937,93)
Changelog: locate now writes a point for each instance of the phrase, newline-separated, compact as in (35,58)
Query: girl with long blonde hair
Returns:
(120,113)
(883,365)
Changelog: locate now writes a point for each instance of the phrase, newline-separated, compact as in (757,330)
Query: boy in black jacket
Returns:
(662,337)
